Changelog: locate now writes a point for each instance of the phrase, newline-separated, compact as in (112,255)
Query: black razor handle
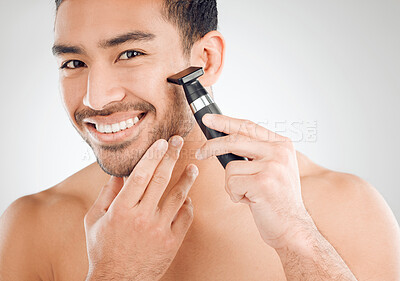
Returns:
(201,103)
(212,134)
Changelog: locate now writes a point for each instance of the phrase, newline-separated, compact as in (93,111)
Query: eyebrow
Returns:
(136,36)
(59,49)
(130,36)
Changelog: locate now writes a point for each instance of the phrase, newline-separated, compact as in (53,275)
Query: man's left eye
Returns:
(129,54)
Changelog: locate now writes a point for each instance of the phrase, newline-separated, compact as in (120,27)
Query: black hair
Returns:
(193,18)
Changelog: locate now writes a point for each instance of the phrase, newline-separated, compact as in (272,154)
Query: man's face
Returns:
(116,56)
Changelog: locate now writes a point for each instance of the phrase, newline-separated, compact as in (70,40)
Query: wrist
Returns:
(300,239)
(102,274)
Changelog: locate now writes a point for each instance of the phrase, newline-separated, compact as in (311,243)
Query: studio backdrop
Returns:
(324,73)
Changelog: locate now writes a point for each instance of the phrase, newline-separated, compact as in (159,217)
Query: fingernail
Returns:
(162,144)
(198,155)
(176,141)
(193,170)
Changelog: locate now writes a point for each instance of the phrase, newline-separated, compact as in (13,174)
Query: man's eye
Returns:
(72,64)
(129,54)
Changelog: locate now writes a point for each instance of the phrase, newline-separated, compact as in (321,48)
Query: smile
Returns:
(109,130)
(116,127)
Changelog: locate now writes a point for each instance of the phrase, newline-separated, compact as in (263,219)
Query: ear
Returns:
(209,52)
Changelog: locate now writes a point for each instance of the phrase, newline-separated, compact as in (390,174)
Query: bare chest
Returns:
(230,249)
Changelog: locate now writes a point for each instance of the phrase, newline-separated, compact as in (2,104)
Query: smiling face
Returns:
(115,57)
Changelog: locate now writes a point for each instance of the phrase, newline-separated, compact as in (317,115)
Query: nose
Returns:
(102,88)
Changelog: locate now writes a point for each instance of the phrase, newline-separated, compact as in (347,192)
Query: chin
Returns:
(120,172)
(118,161)
(116,168)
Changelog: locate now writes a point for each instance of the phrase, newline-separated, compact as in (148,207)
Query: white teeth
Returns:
(129,123)
(100,128)
(122,125)
(113,128)
(107,128)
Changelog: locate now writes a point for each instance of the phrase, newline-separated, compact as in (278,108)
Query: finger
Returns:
(162,175)
(177,195)
(184,218)
(236,144)
(105,198)
(239,187)
(230,125)
(241,167)
(138,180)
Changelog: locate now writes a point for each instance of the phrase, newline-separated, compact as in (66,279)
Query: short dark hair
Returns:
(193,18)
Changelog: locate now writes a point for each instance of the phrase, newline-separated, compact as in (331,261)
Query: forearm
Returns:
(309,256)
(108,274)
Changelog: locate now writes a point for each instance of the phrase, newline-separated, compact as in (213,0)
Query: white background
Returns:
(330,68)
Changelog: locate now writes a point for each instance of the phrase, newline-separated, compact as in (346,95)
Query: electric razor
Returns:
(200,103)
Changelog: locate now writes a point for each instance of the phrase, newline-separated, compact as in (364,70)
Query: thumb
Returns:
(105,198)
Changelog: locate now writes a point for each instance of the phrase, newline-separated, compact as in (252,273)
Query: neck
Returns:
(208,190)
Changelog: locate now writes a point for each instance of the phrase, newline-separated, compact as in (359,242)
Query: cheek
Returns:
(147,82)
(72,93)
(145,73)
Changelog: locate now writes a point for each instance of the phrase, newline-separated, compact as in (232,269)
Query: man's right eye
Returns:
(72,64)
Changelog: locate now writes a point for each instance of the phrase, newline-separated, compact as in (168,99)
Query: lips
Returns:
(113,118)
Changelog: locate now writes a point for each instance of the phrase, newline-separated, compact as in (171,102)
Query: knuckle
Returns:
(179,195)
(232,138)
(275,165)
(189,209)
(160,179)
(158,232)
(249,123)
(116,216)
(263,180)
(140,177)
(140,222)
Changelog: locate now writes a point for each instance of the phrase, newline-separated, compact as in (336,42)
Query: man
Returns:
(128,216)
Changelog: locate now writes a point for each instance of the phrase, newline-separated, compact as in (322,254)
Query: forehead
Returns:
(86,20)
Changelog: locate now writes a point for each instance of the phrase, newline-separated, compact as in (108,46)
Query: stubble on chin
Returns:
(120,160)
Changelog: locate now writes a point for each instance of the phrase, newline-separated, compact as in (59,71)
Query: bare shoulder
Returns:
(32,226)
(352,215)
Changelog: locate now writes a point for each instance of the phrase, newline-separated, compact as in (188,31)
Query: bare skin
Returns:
(45,233)
(344,229)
